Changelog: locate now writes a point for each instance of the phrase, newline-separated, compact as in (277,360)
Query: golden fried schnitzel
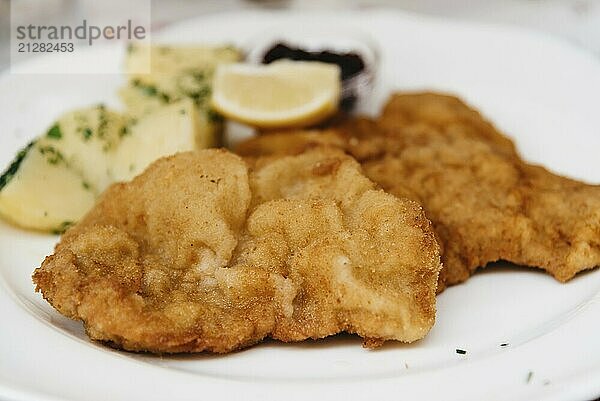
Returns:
(200,253)
(485,203)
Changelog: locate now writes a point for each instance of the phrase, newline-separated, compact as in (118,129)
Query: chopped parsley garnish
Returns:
(199,76)
(195,85)
(85,185)
(14,166)
(87,133)
(54,132)
(124,131)
(200,94)
(151,90)
(529,376)
(148,90)
(461,351)
(102,123)
(63,227)
(214,117)
(53,156)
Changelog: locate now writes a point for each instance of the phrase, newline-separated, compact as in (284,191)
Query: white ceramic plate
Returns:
(543,92)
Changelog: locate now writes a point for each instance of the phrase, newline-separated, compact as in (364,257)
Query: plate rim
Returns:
(11,393)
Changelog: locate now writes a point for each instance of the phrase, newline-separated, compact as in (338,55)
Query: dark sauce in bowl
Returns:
(354,72)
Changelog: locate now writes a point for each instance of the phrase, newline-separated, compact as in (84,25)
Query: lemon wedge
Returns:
(281,94)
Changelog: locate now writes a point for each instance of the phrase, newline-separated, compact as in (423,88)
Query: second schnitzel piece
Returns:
(199,253)
(485,203)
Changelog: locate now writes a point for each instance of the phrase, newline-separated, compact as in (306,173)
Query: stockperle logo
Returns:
(87,42)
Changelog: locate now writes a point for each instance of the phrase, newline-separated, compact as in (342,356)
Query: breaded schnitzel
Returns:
(485,203)
(199,253)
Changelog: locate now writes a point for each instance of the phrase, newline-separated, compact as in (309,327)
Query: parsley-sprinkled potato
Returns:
(176,73)
(88,139)
(55,180)
(40,191)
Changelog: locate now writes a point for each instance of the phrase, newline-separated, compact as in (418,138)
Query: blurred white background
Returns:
(575,20)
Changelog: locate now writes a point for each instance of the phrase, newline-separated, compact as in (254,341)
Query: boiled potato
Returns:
(138,102)
(40,191)
(176,73)
(54,181)
(174,61)
(88,138)
(170,129)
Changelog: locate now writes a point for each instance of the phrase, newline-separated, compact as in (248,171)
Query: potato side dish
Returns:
(176,73)
(55,180)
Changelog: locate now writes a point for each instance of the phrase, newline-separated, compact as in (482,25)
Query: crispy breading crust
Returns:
(485,203)
(201,254)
